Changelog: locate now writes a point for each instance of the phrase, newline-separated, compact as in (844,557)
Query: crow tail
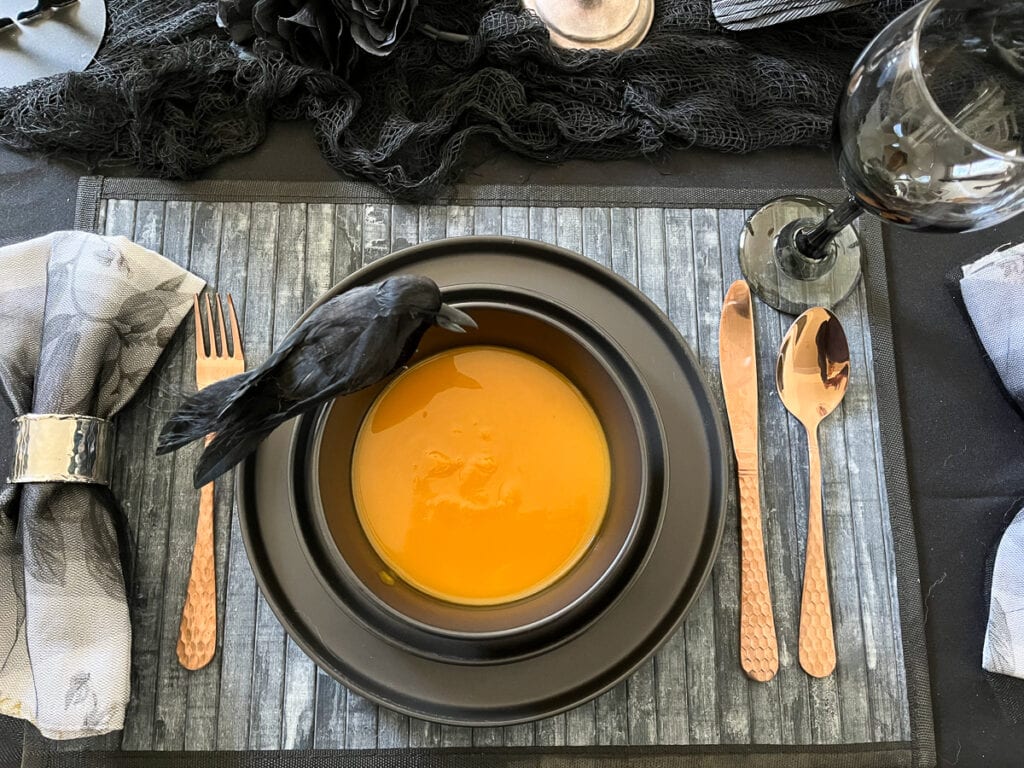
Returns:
(238,416)
(200,415)
(230,446)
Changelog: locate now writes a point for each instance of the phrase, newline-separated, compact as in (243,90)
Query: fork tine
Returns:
(236,334)
(222,350)
(214,348)
(200,344)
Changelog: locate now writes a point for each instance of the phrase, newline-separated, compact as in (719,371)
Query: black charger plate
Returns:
(649,608)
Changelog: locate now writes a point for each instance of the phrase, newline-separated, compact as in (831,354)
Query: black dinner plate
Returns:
(680,556)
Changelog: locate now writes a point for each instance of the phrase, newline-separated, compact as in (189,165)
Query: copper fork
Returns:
(197,638)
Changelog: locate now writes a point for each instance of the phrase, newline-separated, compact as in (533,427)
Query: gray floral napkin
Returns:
(83,319)
(1004,639)
(993,293)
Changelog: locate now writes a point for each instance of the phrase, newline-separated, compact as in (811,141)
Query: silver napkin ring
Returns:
(62,448)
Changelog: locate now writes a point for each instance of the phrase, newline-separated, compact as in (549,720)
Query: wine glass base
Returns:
(777,285)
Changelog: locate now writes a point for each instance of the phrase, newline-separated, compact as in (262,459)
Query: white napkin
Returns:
(993,292)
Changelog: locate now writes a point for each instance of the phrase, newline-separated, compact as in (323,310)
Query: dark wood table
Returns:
(964,439)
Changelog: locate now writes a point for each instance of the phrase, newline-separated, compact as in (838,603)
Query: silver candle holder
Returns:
(614,25)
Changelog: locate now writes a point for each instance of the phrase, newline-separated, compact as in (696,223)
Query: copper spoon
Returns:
(811,375)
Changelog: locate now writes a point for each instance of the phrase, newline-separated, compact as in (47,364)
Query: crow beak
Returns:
(452,319)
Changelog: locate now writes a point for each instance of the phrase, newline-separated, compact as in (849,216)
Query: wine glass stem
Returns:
(813,242)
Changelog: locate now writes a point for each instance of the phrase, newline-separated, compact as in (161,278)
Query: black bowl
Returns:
(351,569)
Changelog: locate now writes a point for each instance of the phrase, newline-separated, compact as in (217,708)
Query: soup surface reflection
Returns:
(481,475)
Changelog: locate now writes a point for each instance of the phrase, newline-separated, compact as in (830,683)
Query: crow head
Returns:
(420,298)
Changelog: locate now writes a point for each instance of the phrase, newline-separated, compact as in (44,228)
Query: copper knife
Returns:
(759,649)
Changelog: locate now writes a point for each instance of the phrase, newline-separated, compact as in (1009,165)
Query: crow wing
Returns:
(284,377)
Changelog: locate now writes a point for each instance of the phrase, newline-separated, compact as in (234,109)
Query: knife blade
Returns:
(737,355)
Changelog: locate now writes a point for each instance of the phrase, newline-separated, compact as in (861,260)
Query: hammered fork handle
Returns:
(197,638)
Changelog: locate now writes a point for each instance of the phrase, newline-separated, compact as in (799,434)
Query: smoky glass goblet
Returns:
(927,135)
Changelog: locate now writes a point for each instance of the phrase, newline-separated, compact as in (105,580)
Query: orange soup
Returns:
(481,475)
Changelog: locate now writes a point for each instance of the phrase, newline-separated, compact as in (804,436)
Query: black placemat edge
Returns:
(87,203)
(893,755)
(922,751)
(559,195)
(894,465)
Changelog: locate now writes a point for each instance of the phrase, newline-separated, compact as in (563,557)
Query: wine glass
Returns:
(927,135)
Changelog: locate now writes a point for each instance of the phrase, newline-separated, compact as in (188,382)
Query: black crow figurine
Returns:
(347,343)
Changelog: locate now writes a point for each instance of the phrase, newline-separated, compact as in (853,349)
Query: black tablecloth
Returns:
(965,442)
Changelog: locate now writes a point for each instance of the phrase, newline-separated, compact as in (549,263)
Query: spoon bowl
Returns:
(812,374)
(814,366)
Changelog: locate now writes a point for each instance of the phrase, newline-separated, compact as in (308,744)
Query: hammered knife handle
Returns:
(817,642)
(197,638)
(759,649)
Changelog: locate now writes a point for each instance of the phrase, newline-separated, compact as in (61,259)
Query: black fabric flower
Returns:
(377,25)
(309,32)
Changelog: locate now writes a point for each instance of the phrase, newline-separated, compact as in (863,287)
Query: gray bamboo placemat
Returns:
(276,247)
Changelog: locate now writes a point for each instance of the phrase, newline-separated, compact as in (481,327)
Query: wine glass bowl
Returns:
(927,135)
(928,131)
